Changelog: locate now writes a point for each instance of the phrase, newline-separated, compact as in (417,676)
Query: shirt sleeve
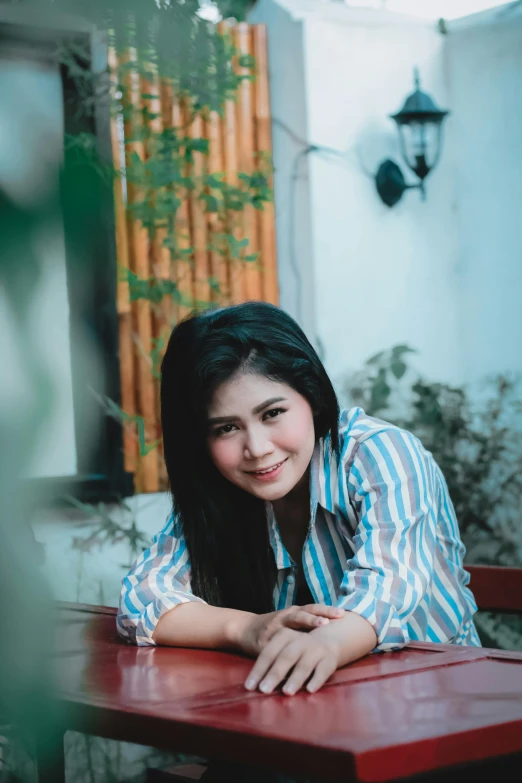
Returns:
(158,581)
(391,484)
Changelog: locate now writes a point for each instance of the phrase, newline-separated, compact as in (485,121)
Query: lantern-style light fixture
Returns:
(420,135)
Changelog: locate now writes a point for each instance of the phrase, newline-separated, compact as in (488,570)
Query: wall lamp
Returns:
(420,136)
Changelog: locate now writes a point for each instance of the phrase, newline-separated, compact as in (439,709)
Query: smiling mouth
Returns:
(266,471)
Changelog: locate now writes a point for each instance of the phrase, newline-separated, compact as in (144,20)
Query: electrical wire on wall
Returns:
(339,157)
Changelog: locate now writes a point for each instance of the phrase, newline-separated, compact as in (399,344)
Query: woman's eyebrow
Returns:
(264,405)
(257,409)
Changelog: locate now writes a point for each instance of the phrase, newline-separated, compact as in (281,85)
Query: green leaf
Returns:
(145,448)
(376,358)
(380,392)
(214,284)
(246,61)
(399,350)
(211,202)
(398,368)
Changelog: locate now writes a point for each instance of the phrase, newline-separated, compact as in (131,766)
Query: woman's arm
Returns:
(158,581)
(201,625)
(157,605)
(392,482)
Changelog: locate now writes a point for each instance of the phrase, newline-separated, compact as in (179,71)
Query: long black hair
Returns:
(225,527)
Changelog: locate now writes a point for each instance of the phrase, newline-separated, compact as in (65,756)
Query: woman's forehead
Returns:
(244,391)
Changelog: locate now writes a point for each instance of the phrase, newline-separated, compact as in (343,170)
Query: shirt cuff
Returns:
(383,617)
(146,623)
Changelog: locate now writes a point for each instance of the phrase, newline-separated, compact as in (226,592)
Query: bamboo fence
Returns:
(237,140)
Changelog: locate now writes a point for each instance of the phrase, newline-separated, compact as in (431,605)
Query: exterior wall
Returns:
(382,276)
(93,576)
(442,276)
(485,63)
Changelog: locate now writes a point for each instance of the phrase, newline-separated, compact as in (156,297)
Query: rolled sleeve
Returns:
(158,581)
(391,483)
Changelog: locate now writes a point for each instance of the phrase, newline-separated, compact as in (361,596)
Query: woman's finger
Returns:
(302,671)
(281,667)
(301,619)
(279,641)
(321,610)
(323,671)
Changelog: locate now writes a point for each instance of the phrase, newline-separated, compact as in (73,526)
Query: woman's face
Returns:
(260,435)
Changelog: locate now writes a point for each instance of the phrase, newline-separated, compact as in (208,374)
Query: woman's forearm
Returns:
(195,624)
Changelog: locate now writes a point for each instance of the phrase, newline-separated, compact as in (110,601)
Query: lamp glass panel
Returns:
(420,140)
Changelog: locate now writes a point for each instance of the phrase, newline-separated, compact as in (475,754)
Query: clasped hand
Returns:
(284,652)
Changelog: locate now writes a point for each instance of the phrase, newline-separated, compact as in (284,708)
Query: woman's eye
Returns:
(224,430)
(274,412)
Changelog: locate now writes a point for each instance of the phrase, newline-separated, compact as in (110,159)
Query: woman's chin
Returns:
(269,492)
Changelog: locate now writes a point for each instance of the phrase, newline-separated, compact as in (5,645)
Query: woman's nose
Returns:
(257,444)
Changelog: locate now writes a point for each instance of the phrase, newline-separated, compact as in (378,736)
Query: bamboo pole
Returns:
(218,264)
(245,146)
(159,256)
(184,269)
(231,169)
(127,376)
(265,217)
(147,475)
(198,219)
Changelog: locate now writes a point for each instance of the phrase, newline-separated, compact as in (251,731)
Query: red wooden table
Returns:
(425,708)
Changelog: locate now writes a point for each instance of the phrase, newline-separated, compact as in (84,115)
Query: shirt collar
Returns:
(324,478)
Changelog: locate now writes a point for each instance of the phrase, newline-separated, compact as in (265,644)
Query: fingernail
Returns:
(322,621)
(289,690)
(250,685)
(311,689)
(266,687)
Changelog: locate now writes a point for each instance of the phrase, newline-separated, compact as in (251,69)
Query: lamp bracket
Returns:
(390,183)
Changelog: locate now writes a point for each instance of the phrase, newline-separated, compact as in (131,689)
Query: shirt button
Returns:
(290,579)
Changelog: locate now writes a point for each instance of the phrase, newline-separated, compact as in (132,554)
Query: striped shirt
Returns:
(383,541)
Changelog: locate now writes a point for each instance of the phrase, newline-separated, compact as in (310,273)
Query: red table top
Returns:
(384,717)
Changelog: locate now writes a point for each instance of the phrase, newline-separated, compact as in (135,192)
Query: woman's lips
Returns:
(268,474)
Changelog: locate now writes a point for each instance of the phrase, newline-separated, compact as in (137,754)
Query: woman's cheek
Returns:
(223,454)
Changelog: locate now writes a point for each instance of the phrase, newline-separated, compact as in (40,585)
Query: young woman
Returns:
(303,536)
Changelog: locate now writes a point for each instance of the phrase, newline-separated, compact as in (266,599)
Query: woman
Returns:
(281,500)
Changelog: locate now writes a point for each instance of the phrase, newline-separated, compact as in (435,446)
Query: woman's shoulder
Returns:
(358,430)
(356,424)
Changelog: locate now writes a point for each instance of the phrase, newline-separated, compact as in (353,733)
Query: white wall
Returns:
(382,276)
(444,275)
(485,63)
(93,576)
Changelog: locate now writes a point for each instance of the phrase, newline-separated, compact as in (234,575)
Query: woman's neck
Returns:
(293,510)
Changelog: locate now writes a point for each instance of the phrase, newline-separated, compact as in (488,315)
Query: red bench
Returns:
(497,588)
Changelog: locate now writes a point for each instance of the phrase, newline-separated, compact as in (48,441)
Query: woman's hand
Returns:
(313,657)
(256,632)
(302,656)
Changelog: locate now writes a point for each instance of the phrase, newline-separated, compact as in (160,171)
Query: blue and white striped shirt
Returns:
(383,542)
